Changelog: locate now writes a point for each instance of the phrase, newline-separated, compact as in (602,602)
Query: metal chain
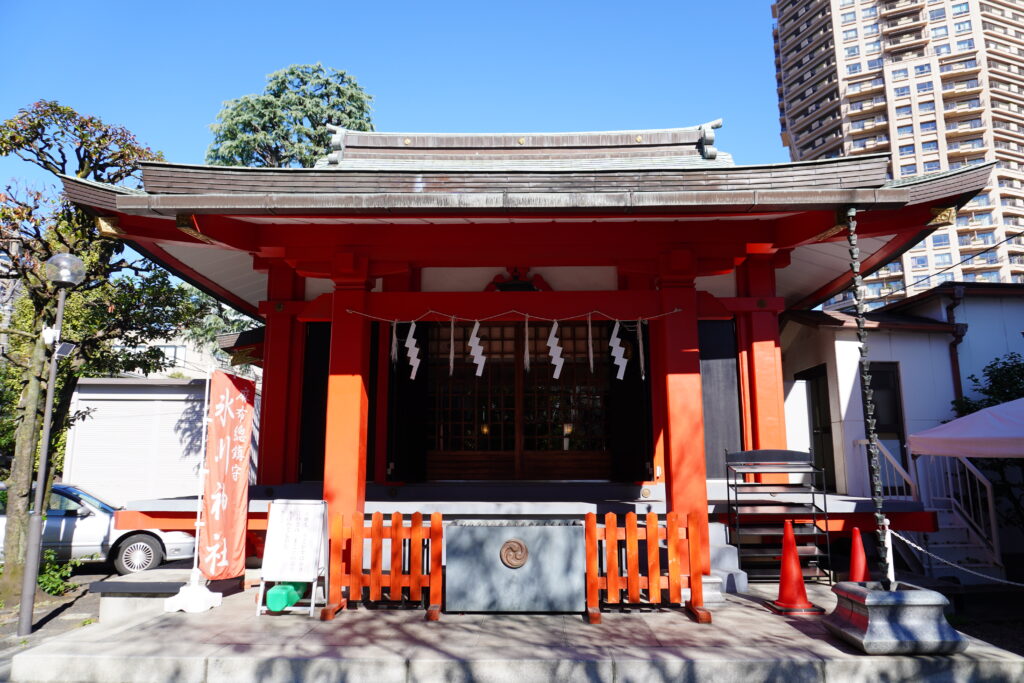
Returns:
(951,564)
(865,385)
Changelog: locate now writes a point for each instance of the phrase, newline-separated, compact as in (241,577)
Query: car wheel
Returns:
(138,553)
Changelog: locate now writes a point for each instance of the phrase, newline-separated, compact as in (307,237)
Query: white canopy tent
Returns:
(996,432)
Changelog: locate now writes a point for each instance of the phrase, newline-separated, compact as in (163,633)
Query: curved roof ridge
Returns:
(716,123)
(692,141)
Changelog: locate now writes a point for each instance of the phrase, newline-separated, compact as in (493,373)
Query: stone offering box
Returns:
(908,620)
(514,566)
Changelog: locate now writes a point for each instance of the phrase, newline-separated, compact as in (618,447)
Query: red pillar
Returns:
(278,411)
(760,351)
(345,447)
(685,470)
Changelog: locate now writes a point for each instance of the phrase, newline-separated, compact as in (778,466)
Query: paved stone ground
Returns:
(53,615)
(58,615)
(995,616)
(992,617)
(745,643)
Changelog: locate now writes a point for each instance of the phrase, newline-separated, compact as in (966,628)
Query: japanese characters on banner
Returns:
(226,494)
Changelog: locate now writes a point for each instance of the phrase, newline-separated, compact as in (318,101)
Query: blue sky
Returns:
(162,69)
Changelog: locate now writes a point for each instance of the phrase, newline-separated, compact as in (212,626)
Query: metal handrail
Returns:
(969,494)
(990,495)
(906,482)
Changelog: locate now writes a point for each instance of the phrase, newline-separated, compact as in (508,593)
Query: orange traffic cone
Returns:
(858,560)
(792,593)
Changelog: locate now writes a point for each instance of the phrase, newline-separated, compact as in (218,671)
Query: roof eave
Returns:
(741,201)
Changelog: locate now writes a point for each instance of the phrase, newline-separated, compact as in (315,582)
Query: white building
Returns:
(922,350)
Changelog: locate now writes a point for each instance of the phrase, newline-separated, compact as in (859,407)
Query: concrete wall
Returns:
(925,381)
(804,347)
(994,326)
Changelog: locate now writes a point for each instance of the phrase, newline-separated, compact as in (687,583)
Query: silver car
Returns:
(80,525)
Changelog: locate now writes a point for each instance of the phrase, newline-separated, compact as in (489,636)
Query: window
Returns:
(871,30)
(928,126)
(61,504)
(930,146)
(936,14)
(942,49)
(869,12)
(943,259)
(852,51)
(962,26)
(508,417)
(940,240)
(961,8)
(853,68)
(902,91)
(927,106)
(850,34)
(943,277)
(874,47)
(904,110)
(847,17)
(899,74)
(875,63)
(906,150)
(939,32)
(922,69)
(908,169)
(905,130)
(965,44)
(918,262)
(982,200)
(925,86)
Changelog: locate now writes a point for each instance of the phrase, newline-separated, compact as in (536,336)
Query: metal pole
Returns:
(35,520)
(867,394)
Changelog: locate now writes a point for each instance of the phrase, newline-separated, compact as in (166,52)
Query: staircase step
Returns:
(765,530)
(779,508)
(775,488)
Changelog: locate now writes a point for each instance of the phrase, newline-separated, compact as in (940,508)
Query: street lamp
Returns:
(64,271)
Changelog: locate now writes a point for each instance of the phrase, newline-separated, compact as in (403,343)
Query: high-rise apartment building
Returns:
(937,84)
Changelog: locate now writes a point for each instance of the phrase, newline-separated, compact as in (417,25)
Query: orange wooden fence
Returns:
(406,546)
(644,580)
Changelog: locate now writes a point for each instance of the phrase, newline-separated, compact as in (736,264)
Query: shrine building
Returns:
(410,286)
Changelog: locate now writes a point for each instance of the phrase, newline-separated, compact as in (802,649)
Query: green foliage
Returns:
(219,319)
(53,576)
(1004,381)
(123,305)
(9,389)
(286,125)
(61,140)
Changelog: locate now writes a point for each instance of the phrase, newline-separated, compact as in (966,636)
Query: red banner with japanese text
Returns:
(226,493)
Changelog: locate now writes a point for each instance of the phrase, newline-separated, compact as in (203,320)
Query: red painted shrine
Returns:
(653,252)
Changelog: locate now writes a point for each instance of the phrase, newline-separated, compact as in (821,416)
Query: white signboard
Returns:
(296,541)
